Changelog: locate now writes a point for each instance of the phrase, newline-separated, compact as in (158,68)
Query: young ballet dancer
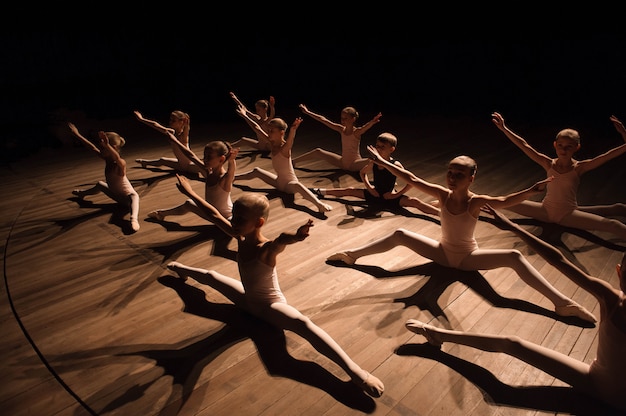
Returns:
(258,291)
(457,248)
(285,179)
(603,378)
(380,193)
(218,180)
(179,126)
(559,204)
(264,111)
(116,185)
(350,158)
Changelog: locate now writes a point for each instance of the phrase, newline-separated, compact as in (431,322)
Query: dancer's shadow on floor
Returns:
(116,211)
(552,234)
(332,174)
(441,277)
(201,234)
(361,209)
(557,399)
(287,199)
(151,181)
(184,362)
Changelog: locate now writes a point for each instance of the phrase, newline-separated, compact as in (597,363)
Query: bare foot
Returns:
(574,309)
(156,215)
(342,257)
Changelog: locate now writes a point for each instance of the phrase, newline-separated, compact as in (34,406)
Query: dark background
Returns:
(563,78)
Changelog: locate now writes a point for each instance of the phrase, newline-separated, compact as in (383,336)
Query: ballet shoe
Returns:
(342,257)
(324,208)
(371,385)
(173,266)
(574,309)
(423,329)
(156,215)
(77,192)
(134,225)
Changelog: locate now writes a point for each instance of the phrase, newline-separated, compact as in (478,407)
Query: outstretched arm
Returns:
(227,180)
(434,190)
(272,112)
(543,160)
(589,164)
(244,113)
(600,289)
(284,239)
(516,197)
(291,137)
(212,214)
(365,127)
(330,124)
(155,125)
(83,140)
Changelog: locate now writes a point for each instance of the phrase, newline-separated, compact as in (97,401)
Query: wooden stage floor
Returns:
(94,323)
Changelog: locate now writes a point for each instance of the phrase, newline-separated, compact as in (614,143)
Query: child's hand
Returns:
(303,108)
(541,185)
(619,126)
(296,123)
(233,153)
(498,120)
(73,128)
(104,139)
(138,115)
(303,231)
(374,155)
(183,185)
(501,220)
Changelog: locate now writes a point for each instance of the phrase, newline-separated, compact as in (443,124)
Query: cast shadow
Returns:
(441,277)
(288,200)
(552,234)
(202,233)
(114,209)
(369,211)
(333,175)
(184,362)
(557,399)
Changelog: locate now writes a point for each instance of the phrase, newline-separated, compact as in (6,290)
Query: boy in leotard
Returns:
(258,291)
(285,179)
(604,377)
(560,205)
(457,248)
(218,180)
(116,185)
(179,126)
(350,158)
(380,193)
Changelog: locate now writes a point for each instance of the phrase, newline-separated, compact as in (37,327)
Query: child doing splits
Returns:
(257,291)
(459,211)
(116,185)
(604,377)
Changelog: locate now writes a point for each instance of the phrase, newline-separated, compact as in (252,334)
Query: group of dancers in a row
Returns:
(258,291)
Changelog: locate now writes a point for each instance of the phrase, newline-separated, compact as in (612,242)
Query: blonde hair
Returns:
(466,162)
(219,147)
(570,134)
(254,204)
(351,111)
(279,123)
(179,115)
(115,139)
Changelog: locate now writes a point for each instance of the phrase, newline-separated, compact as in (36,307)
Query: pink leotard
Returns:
(457,235)
(260,283)
(349,150)
(560,199)
(119,185)
(608,368)
(283,167)
(220,199)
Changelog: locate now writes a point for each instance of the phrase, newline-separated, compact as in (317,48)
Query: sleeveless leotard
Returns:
(608,368)
(457,235)
(560,198)
(349,150)
(384,181)
(260,283)
(284,171)
(118,184)
(220,199)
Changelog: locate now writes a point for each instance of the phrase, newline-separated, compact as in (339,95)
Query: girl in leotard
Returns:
(350,158)
(560,205)
(285,179)
(264,111)
(604,377)
(116,185)
(258,291)
(179,126)
(457,248)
